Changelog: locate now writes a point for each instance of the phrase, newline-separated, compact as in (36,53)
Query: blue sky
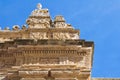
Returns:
(98,21)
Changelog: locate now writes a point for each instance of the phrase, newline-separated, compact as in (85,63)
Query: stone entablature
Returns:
(55,53)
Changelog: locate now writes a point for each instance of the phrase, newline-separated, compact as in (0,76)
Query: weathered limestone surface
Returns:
(45,50)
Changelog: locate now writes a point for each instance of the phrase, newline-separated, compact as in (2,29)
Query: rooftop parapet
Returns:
(41,26)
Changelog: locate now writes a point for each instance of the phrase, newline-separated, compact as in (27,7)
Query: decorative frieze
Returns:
(38,35)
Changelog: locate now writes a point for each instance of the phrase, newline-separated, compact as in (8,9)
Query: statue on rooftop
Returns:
(39,6)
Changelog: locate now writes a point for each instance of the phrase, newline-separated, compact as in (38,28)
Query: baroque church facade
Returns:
(45,50)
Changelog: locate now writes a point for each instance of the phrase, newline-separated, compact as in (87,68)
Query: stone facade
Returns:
(45,50)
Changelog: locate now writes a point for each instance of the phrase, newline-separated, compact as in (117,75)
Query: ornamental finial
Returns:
(39,6)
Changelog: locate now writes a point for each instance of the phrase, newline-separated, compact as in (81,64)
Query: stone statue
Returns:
(39,6)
